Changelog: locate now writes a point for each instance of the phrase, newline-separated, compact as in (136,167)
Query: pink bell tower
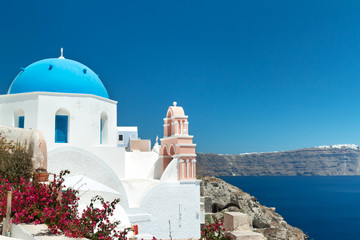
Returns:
(177,144)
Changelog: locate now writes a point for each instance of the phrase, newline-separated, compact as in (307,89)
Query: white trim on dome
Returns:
(35,94)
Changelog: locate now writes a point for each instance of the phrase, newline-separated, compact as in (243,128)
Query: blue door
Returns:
(61,129)
(21,121)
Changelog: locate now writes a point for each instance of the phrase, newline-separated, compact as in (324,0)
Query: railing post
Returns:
(6,227)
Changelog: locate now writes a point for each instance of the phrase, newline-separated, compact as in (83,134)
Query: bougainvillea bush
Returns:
(47,203)
(214,230)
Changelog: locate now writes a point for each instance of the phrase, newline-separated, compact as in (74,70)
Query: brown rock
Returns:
(263,219)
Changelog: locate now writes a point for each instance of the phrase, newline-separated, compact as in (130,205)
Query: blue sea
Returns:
(323,207)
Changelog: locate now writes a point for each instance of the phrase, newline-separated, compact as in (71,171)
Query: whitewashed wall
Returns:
(84,120)
(85,161)
(140,164)
(11,103)
(177,202)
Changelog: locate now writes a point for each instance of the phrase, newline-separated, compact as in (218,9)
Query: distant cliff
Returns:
(323,160)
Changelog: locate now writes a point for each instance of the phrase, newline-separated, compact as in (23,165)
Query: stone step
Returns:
(245,235)
(237,221)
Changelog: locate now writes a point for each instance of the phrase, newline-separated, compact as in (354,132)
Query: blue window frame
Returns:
(61,128)
(21,121)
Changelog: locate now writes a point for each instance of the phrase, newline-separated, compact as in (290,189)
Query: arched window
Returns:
(61,126)
(103,128)
(19,118)
(172,150)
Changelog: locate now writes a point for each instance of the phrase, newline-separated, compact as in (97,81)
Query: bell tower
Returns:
(177,145)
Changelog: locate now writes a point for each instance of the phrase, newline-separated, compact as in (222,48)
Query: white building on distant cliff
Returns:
(67,101)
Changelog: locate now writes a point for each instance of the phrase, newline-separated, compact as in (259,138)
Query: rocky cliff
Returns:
(265,220)
(323,160)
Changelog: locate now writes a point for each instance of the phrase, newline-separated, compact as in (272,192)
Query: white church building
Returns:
(69,104)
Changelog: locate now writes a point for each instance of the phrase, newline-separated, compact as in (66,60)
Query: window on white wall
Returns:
(103,128)
(21,121)
(62,126)
(19,118)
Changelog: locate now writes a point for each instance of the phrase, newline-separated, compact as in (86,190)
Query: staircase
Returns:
(238,227)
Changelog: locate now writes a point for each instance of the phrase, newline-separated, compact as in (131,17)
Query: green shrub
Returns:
(15,161)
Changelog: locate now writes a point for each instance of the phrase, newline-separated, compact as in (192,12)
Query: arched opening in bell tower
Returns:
(166,157)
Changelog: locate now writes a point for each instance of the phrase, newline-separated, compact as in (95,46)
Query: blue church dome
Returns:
(58,75)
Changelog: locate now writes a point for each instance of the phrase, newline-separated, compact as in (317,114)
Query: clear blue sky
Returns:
(251,75)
